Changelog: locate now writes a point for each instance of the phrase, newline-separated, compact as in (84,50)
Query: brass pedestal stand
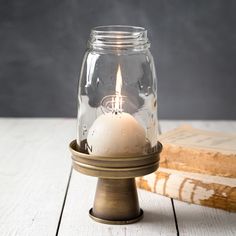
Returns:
(116,199)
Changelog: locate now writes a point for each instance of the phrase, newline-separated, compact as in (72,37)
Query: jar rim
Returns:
(123,37)
(125,29)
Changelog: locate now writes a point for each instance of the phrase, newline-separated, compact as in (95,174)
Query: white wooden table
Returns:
(41,195)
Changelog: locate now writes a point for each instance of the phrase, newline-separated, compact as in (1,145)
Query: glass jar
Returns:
(117,93)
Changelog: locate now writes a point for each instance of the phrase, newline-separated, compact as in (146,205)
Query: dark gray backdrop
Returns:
(193,43)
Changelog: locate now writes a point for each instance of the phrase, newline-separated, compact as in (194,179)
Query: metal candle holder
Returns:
(116,199)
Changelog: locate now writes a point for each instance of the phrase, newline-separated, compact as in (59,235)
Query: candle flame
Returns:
(118,81)
(118,98)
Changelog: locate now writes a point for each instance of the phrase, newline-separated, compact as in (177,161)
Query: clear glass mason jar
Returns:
(118,77)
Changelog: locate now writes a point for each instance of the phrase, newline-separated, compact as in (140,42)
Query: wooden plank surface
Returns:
(198,220)
(34,169)
(158,218)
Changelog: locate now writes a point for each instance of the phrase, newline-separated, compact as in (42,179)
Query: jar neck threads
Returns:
(118,37)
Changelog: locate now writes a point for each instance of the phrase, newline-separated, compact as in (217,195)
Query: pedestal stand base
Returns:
(116,199)
(116,202)
(116,222)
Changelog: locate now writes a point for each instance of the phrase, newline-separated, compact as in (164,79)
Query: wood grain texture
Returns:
(198,220)
(34,170)
(158,213)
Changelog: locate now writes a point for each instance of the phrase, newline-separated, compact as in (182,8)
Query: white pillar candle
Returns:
(116,134)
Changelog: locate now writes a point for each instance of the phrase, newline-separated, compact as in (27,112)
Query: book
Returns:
(207,190)
(194,150)
(196,166)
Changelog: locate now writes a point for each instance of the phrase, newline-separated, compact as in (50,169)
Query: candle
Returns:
(116,133)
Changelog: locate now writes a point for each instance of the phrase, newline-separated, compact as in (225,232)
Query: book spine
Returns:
(195,190)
